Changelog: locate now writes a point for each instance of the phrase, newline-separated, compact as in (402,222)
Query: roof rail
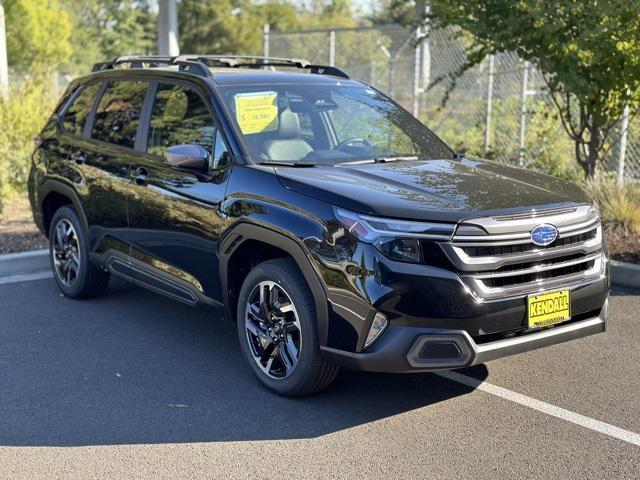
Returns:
(251,61)
(139,61)
(198,64)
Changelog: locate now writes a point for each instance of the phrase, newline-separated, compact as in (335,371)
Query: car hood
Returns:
(446,190)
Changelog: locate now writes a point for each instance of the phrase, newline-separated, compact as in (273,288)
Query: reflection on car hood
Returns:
(437,190)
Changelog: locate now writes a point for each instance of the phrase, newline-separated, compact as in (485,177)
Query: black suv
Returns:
(329,223)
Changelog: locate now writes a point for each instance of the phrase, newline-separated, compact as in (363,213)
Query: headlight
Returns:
(396,239)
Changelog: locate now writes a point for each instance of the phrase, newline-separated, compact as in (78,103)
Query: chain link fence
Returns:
(57,81)
(498,109)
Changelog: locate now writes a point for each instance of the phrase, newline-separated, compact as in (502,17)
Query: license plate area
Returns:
(548,308)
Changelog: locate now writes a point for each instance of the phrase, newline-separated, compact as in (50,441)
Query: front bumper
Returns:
(415,349)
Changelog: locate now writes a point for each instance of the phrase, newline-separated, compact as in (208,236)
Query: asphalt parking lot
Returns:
(132,385)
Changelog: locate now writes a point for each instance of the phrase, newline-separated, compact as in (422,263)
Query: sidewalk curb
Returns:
(27,263)
(13,264)
(625,274)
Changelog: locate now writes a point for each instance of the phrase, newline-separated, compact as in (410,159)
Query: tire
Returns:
(80,278)
(298,331)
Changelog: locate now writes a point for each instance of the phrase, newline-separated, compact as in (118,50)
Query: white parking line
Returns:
(544,407)
(25,278)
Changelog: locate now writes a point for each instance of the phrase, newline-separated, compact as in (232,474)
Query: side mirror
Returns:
(188,156)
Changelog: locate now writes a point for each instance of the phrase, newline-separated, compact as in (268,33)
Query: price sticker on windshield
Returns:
(257,112)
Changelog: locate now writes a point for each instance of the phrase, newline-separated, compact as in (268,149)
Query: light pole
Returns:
(168,28)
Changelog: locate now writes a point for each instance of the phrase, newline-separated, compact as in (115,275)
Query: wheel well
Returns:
(52,202)
(247,256)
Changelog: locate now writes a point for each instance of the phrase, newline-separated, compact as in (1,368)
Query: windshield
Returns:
(327,124)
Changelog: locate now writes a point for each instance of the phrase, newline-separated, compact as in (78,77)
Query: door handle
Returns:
(79,157)
(142,176)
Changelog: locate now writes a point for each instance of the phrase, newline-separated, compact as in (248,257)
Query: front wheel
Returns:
(278,330)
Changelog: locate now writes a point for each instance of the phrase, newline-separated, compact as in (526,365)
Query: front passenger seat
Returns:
(288,146)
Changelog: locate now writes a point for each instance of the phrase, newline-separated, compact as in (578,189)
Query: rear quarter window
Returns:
(76,114)
(118,113)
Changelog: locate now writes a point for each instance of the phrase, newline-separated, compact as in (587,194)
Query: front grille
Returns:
(501,282)
(499,259)
(498,250)
(540,264)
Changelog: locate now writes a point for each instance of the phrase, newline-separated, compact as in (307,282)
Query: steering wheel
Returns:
(353,143)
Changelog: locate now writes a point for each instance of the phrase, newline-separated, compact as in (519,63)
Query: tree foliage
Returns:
(106,29)
(401,12)
(235,26)
(230,26)
(22,115)
(38,33)
(588,51)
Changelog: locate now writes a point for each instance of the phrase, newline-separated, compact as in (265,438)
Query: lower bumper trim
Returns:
(532,341)
(404,348)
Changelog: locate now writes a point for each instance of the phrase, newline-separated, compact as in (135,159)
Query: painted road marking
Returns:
(25,278)
(544,407)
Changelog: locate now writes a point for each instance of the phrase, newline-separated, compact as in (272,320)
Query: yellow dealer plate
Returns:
(549,308)
(257,112)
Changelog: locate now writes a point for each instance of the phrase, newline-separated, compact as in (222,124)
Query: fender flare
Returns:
(56,186)
(242,232)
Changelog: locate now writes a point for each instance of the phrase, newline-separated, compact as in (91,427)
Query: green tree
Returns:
(328,14)
(393,11)
(588,51)
(38,33)
(230,26)
(106,29)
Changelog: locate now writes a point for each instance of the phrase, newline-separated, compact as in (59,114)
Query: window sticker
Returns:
(257,112)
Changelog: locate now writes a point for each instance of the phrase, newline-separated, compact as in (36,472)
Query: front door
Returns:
(175,217)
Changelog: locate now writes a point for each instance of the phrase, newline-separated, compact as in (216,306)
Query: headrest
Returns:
(289,126)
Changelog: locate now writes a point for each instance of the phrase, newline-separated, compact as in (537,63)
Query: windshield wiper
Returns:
(400,158)
(287,164)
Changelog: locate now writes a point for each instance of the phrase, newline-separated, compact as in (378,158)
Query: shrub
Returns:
(619,204)
(549,150)
(22,115)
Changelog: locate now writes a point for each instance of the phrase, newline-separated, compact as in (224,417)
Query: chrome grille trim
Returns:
(538,268)
(520,237)
(484,291)
(535,214)
(462,261)
(582,214)
(502,272)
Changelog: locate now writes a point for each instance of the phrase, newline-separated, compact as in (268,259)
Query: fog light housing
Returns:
(378,325)
(400,249)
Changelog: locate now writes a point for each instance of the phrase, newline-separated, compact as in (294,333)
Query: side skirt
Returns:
(151,278)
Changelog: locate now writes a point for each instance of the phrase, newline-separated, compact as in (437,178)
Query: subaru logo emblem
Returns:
(544,234)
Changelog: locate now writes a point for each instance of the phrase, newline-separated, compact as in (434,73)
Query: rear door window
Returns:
(118,114)
(77,113)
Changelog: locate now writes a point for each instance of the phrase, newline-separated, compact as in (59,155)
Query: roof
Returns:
(230,76)
(230,69)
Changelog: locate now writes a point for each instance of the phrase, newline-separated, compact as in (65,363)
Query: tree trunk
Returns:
(589,161)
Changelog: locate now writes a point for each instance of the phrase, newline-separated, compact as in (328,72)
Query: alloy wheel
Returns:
(66,252)
(273,330)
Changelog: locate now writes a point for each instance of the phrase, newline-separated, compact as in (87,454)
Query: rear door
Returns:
(175,215)
(105,155)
